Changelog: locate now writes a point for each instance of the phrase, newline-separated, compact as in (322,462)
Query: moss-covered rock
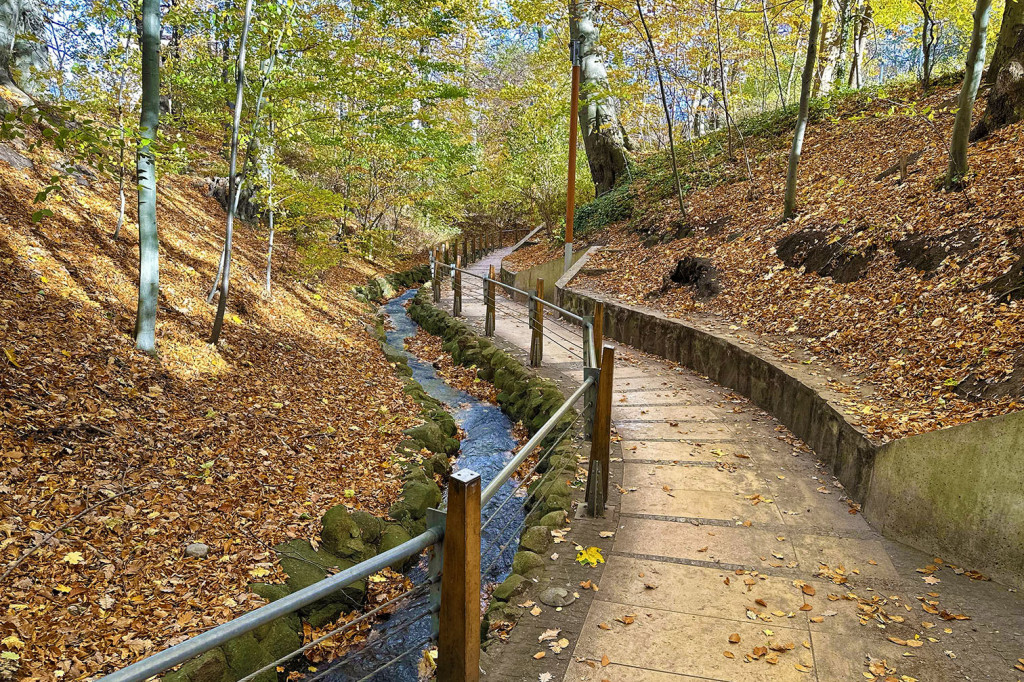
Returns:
(393,536)
(525,563)
(281,637)
(268,591)
(370,526)
(512,586)
(245,656)
(306,566)
(341,535)
(555,519)
(208,667)
(431,437)
(536,539)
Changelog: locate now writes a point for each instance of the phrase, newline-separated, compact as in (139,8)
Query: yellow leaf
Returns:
(591,556)
(259,572)
(63,588)
(12,642)
(236,319)
(10,357)
(74,558)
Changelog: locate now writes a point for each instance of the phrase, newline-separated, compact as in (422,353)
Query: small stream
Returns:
(486,448)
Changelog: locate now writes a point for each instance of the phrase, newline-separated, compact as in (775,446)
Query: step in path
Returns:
(737,556)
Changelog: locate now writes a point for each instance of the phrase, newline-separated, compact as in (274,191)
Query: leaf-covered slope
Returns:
(910,289)
(239,448)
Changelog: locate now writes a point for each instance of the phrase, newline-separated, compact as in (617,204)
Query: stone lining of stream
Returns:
(533,401)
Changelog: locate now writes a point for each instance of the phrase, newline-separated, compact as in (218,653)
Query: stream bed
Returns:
(487,446)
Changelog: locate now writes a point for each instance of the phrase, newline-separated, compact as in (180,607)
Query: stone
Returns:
(370,527)
(525,562)
(555,519)
(536,539)
(281,638)
(197,550)
(268,591)
(340,534)
(208,667)
(393,536)
(556,596)
(513,585)
(306,566)
(13,158)
(245,656)
(430,436)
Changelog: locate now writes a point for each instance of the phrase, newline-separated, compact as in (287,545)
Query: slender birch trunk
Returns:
(149,122)
(801,120)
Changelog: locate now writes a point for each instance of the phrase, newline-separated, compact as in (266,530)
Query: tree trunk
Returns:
(775,56)
(603,136)
(927,41)
(801,119)
(1006,100)
(222,302)
(22,47)
(1013,22)
(969,91)
(861,27)
(668,116)
(149,121)
(721,74)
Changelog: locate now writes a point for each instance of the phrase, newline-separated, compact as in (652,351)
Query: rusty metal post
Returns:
(458,647)
(489,297)
(537,325)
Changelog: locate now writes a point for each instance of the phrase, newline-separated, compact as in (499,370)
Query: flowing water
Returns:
(486,448)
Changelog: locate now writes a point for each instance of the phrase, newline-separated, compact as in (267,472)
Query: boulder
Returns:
(245,656)
(370,527)
(536,539)
(306,566)
(280,638)
(393,536)
(512,586)
(208,667)
(341,535)
(525,562)
(555,519)
(268,591)
(430,436)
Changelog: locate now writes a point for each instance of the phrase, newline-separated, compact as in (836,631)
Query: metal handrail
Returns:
(506,473)
(211,639)
(531,295)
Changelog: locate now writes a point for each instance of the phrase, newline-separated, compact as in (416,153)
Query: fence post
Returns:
(600,439)
(537,320)
(598,330)
(436,281)
(489,297)
(458,648)
(457,288)
(465,250)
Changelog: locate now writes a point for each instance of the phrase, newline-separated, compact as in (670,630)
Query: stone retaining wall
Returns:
(957,493)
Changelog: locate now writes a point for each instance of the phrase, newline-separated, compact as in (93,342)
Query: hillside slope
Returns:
(911,289)
(114,461)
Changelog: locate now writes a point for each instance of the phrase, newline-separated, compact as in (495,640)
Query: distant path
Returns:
(724,517)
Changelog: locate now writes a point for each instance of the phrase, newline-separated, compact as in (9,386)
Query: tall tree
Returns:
(860,39)
(801,119)
(664,105)
(927,40)
(603,135)
(1013,22)
(225,279)
(1006,99)
(968,92)
(149,122)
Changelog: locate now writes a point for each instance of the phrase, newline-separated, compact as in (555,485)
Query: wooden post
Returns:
(457,289)
(600,439)
(465,250)
(489,294)
(436,283)
(458,647)
(598,330)
(537,318)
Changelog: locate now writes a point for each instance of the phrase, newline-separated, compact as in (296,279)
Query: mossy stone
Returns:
(430,436)
(513,585)
(525,562)
(244,656)
(281,638)
(340,534)
(269,592)
(536,539)
(306,566)
(370,526)
(393,536)
(208,667)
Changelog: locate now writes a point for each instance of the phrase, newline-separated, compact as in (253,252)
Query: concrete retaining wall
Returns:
(526,280)
(957,493)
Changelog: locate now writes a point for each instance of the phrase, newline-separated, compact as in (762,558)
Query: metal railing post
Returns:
(600,439)
(537,319)
(598,330)
(489,297)
(457,288)
(458,649)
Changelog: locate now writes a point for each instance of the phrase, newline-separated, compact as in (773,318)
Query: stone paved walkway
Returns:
(737,557)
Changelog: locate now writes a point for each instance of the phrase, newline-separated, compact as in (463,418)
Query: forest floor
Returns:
(909,289)
(113,461)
